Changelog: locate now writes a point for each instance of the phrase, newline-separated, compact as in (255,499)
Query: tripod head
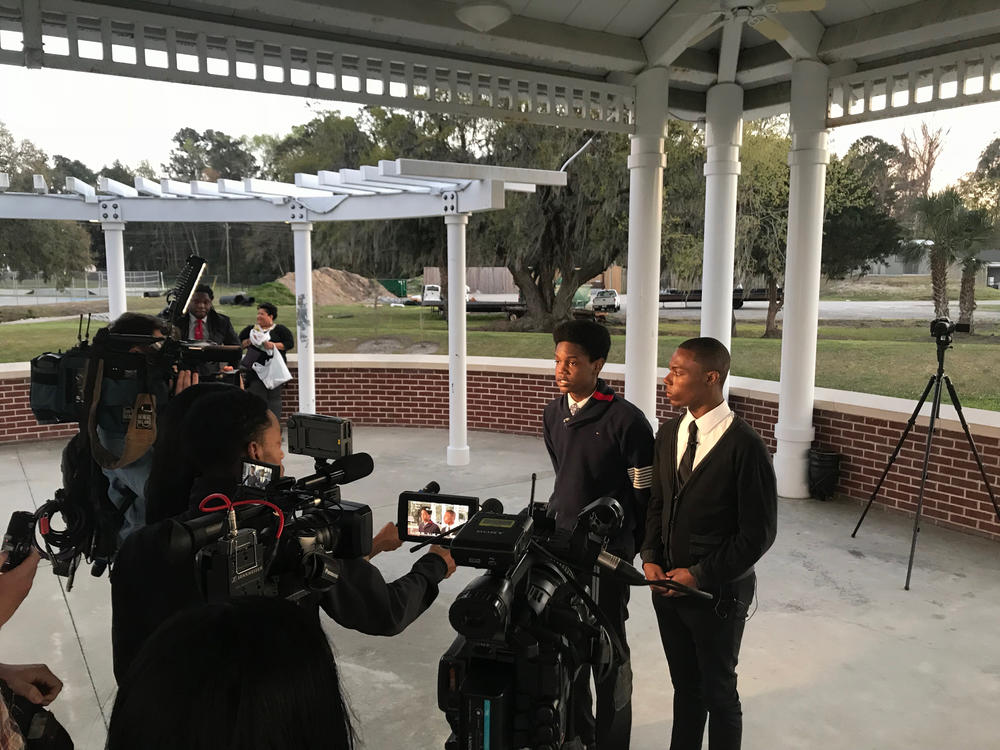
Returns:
(941,331)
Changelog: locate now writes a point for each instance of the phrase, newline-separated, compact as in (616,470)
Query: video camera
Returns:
(279,536)
(526,627)
(943,328)
(276,537)
(60,388)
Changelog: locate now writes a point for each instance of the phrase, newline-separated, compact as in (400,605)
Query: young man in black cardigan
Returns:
(601,446)
(712,515)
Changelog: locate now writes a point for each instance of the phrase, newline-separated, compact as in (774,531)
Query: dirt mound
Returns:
(332,286)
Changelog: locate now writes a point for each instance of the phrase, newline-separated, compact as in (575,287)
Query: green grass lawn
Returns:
(888,288)
(892,358)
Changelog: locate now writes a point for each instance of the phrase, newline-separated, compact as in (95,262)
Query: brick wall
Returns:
(416,395)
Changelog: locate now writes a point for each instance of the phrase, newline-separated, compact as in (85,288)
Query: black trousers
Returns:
(613,725)
(271,396)
(702,642)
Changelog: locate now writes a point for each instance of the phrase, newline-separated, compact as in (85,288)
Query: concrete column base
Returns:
(458,456)
(791,461)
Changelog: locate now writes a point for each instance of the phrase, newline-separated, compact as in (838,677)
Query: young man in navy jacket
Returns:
(712,515)
(600,446)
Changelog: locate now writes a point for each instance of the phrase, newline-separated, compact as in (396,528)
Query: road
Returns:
(841,310)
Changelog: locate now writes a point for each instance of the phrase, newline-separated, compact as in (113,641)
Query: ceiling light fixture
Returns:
(483,15)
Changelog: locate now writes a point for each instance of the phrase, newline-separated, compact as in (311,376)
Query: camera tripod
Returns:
(943,344)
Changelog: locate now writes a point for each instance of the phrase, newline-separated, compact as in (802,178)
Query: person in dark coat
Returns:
(205,323)
(278,339)
(712,515)
(155,574)
(601,446)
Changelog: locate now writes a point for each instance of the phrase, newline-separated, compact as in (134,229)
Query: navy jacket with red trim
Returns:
(606,450)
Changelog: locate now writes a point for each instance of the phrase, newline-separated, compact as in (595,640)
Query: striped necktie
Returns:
(687,460)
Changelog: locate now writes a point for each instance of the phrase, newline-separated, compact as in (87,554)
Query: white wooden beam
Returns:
(931,22)
(113,187)
(676,30)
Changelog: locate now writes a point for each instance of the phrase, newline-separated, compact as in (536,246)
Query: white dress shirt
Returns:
(711,427)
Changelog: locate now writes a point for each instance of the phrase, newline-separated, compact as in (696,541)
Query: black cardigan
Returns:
(606,450)
(724,518)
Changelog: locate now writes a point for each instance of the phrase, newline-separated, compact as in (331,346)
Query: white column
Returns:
(723,138)
(302,238)
(458,437)
(114,254)
(645,218)
(808,159)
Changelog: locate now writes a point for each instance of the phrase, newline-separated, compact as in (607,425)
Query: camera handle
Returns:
(436,539)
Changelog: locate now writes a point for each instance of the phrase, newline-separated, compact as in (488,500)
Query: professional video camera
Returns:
(529,625)
(943,328)
(68,386)
(289,536)
(63,383)
(275,537)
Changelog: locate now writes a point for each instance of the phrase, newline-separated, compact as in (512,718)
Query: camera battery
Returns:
(492,540)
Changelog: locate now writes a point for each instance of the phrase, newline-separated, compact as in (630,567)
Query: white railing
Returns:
(140,44)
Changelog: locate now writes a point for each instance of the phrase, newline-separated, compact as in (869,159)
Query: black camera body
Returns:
(943,328)
(526,628)
(305,559)
(287,536)
(19,539)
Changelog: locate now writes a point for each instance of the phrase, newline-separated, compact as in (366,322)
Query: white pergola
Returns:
(400,189)
(614,65)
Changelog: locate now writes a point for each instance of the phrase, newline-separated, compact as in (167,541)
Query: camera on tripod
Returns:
(943,328)
(526,627)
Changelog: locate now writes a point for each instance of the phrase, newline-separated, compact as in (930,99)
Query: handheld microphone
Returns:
(342,471)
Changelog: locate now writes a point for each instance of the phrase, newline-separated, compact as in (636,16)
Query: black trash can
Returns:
(824,473)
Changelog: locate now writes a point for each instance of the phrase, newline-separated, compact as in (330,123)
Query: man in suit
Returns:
(205,323)
(712,515)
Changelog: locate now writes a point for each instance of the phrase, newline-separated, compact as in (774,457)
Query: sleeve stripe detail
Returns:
(642,477)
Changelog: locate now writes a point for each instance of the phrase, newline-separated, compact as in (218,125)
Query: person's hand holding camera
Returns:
(386,540)
(32,681)
(15,584)
(437,549)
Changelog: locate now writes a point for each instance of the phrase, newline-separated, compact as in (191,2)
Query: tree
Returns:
(955,233)
(762,209)
(879,166)
(857,228)
(918,156)
(559,238)
(54,249)
(210,156)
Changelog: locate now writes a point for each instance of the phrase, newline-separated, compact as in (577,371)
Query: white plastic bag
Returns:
(274,372)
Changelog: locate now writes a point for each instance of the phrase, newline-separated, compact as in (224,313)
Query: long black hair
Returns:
(248,674)
(204,431)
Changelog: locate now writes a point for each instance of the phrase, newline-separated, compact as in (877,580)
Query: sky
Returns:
(99,118)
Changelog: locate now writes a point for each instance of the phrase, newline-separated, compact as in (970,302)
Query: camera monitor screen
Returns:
(257,476)
(423,515)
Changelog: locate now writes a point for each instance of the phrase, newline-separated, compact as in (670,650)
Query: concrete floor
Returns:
(836,655)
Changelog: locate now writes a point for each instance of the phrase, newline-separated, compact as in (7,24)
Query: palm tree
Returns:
(955,233)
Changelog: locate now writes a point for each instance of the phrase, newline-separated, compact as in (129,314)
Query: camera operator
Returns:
(34,683)
(247,674)
(149,583)
(119,390)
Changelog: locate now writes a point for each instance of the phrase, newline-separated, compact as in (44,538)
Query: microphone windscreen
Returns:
(431,487)
(355,466)
(492,505)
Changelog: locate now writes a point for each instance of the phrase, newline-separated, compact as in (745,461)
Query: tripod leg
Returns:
(892,458)
(972,444)
(935,407)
